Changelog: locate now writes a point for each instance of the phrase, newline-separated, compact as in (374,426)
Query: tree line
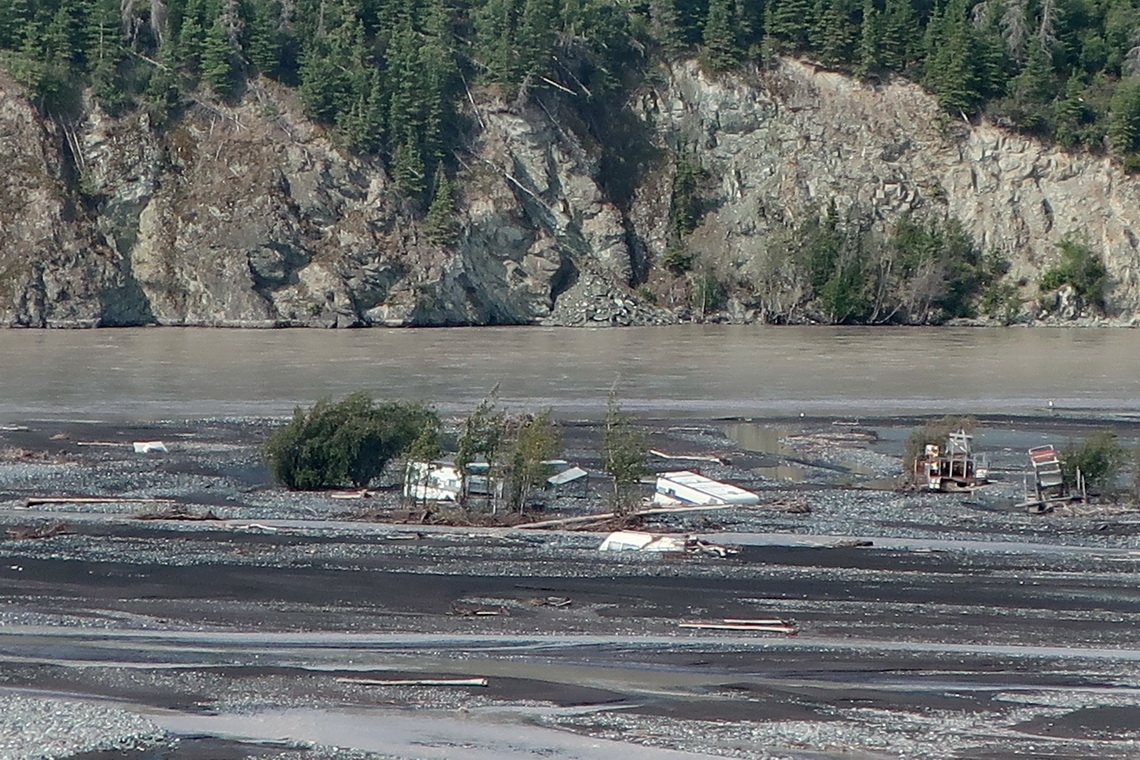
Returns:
(390,74)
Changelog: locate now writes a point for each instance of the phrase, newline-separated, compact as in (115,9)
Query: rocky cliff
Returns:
(251,215)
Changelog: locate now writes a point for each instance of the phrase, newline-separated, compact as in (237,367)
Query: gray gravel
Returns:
(43,728)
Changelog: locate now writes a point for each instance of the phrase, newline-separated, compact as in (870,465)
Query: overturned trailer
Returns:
(953,468)
(1050,487)
(685,488)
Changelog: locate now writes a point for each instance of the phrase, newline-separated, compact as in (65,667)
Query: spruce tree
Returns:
(870,59)
(789,23)
(950,66)
(535,38)
(899,30)
(264,44)
(191,38)
(440,225)
(721,51)
(1033,89)
(218,61)
(663,24)
(1124,120)
(494,41)
(834,33)
(408,165)
(14,18)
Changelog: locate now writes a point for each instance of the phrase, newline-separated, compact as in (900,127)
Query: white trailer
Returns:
(685,487)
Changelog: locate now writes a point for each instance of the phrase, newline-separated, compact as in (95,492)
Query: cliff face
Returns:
(807,137)
(251,215)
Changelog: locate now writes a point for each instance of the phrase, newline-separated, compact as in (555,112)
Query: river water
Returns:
(681,370)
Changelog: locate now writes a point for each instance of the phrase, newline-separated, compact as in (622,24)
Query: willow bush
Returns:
(346,442)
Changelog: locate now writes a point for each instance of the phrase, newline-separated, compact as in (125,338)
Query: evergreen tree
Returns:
(494,28)
(161,91)
(440,225)
(62,39)
(899,35)
(834,33)
(408,165)
(789,24)
(721,51)
(191,40)
(263,45)
(870,59)
(535,38)
(951,63)
(218,60)
(1124,121)
(440,73)
(748,16)
(1032,90)
(363,121)
(14,19)
(1074,120)
(320,81)
(664,25)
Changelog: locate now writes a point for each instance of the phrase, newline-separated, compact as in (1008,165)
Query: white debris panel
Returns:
(685,487)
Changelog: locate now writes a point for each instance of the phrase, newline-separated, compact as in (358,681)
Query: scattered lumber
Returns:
(415,681)
(557,602)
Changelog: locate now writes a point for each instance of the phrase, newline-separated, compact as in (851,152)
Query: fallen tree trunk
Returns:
(34,501)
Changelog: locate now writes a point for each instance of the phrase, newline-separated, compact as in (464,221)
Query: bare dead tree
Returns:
(981,13)
(159,16)
(1015,28)
(1131,63)
(1047,32)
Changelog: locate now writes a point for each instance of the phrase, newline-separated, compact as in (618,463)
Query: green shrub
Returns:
(345,442)
(677,259)
(1080,267)
(1100,458)
(624,453)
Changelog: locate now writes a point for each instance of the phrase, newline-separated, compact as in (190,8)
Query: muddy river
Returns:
(684,370)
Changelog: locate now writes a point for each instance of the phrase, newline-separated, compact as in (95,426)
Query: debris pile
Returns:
(637,541)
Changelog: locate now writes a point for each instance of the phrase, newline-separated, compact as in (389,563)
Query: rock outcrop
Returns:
(251,215)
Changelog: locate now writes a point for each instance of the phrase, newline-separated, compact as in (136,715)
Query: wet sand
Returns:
(965,629)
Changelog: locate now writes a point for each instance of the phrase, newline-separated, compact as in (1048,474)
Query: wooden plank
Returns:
(415,681)
(786,629)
